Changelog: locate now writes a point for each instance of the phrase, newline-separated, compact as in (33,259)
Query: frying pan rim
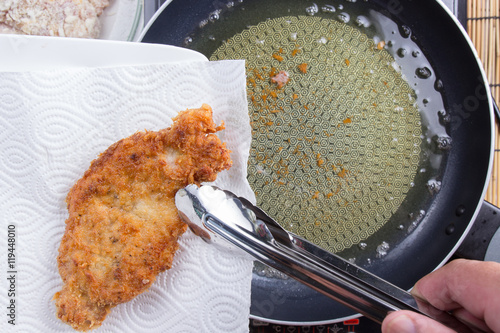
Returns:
(492,131)
(307,323)
(485,185)
(152,20)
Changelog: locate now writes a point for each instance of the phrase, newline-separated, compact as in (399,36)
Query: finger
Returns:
(471,321)
(411,322)
(471,285)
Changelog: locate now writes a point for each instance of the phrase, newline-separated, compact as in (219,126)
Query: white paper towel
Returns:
(52,125)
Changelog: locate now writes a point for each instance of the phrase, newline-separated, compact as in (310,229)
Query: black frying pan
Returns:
(449,213)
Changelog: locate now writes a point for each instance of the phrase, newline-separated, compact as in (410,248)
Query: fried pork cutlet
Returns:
(123,225)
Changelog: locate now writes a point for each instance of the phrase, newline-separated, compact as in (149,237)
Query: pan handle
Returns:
(477,241)
(495,108)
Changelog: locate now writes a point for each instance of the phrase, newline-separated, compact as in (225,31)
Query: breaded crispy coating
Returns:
(123,225)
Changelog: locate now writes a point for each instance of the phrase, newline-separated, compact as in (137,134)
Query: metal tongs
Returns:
(220,217)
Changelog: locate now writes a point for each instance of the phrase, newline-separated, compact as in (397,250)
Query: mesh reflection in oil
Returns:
(337,140)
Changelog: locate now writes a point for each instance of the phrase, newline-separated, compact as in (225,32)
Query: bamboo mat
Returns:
(483,26)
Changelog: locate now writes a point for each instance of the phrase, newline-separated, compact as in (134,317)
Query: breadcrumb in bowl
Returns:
(115,19)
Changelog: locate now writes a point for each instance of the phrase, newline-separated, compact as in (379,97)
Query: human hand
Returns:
(470,289)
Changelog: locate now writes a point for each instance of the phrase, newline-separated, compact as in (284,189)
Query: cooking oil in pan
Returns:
(345,117)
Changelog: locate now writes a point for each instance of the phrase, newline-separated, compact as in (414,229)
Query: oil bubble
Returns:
(405,31)
(362,21)
(415,54)
(382,249)
(416,219)
(401,52)
(322,40)
(423,72)
(312,10)
(344,17)
(443,142)
(438,85)
(269,272)
(444,117)
(412,226)
(362,245)
(434,186)
(328,9)
(188,40)
(214,16)
(202,24)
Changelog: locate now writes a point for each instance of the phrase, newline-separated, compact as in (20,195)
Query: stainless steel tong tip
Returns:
(207,209)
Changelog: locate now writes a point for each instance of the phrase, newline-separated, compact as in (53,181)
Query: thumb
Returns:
(411,322)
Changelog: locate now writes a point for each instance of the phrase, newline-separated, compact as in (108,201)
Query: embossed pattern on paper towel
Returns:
(53,124)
